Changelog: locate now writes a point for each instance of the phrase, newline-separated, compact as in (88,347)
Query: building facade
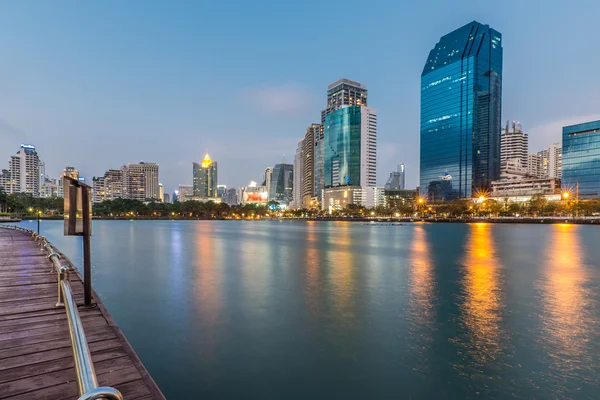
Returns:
(581,159)
(109,186)
(514,145)
(551,161)
(397,178)
(23,173)
(142,182)
(205,178)
(282,184)
(461,95)
(525,187)
(307,192)
(298,176)
(338,198)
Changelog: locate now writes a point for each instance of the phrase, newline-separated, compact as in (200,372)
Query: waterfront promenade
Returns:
(36,357)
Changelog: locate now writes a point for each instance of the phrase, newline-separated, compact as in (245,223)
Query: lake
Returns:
(289,309)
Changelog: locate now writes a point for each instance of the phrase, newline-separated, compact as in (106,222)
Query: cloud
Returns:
(548,132)
(284,99)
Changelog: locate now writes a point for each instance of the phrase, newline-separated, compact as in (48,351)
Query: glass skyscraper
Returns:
(581,158)
(282,184)
(461,95)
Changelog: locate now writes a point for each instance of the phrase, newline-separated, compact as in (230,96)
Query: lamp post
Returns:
(38,221)
(565,196)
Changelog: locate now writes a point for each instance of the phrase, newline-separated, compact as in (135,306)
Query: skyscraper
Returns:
(551,161)
(350,147)
(267,176)
(23,174)
(140,181)
(298,176)
(461,93)
(109,186)
(581,158)
(514,145)
(307,191)
(397,178)
(282,183)
(205,178)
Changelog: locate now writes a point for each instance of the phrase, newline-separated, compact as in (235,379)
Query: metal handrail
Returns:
(84,367)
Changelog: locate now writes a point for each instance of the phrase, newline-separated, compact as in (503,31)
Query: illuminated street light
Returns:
(565,195)
(482,198)
(421,201)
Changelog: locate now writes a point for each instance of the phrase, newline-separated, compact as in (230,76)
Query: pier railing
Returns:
(84,367)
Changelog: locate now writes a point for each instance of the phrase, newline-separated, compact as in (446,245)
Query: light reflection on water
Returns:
(340,310)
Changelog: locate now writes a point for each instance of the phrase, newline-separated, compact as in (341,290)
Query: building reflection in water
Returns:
(482,301)
(341,278)
(568,321)
(421,312)
(312,262)
(208,264)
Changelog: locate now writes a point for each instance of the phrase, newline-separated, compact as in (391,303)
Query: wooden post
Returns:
(87,262)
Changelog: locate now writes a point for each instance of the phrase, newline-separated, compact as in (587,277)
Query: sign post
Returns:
(78,222)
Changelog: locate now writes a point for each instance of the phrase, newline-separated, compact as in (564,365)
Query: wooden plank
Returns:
(36,358)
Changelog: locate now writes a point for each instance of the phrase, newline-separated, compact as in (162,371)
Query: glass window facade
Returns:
(461,96)
(342,147)
(581,158)
(282,183)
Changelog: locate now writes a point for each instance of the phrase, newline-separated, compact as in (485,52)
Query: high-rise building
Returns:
(551,161)
(307,191)
(141,181)
(461,93)
(221,190)
(185,193)
(205,178)
(397,178)
(161,192)
(42,173)
(230,197)
(23,174)
(350,147)
(109,186)
(514,145)
(267,176)
(298,176)
(166,198)
(340,94)
(282,184)
(581,159)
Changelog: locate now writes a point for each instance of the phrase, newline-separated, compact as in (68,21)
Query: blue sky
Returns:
(98,84)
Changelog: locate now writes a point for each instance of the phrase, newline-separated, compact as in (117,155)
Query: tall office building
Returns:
(161,193)
(514,145)
(461,93)
(282,184)
(142,182)
(350,147)
(581,158)
(308,191)
(23,174)
(109,186)
(397,178)
(71,172)
(205,178)
(551,161)
(298,176)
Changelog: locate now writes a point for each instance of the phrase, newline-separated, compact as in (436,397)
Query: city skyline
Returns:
(115,109)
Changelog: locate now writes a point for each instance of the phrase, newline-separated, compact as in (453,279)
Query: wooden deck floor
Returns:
(36,359)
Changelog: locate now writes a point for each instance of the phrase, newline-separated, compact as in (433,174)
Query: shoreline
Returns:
(390,220)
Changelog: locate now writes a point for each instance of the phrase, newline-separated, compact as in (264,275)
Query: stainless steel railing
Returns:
(84,367)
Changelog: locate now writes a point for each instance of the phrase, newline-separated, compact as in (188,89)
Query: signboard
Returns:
(77,203)
(255,197)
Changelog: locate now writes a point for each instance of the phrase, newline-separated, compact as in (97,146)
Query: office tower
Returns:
(551,161)
(166,198)
(514,145)
(282,183)
(185,193)
(461,93)
(396,179)
(205,178)
(298,176)
(350,147)
(340,94)
(308,191)
(267,177)
(142,181)
(71,172)
(580,159)
(534,165)
(161,192)
(23,174)
(42,173)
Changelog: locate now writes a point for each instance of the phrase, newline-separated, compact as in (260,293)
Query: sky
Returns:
(99,84)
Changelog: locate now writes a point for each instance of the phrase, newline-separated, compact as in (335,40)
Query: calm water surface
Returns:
(273,310)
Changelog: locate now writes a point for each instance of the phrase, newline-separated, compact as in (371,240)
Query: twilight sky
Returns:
(98,84)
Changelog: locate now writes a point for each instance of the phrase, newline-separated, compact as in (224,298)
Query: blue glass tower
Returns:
(581,158)
(461,96)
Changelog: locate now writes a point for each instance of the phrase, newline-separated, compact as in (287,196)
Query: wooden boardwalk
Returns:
(36,359)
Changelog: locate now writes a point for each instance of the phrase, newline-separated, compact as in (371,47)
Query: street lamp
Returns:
(38,221)
(565,196)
